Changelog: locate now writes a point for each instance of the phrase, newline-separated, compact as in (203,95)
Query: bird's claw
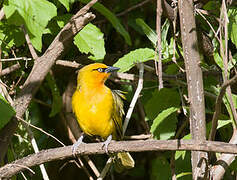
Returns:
(77,144)
(106,143)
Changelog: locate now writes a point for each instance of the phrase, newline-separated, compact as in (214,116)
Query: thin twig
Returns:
(34,145)
(213,30)
(135,97)
(10,69)
(158,45)
(172,165)
(92,165)
(125,11)
(16,59)
(106,168)
(4,92)
(16,157)
(138,137)
(175,9)
(50,135)
(68,63)
(36,149)
(228,90)
(225,87)
(84,168)
(24,167)
(31,48)
(218,106)
(132,8)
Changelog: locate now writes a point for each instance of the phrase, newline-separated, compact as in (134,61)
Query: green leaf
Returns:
(10,35)
(147,30)
(183,174)
(90,40)
(112,19)
(160,169)
(218,60)
(160,118)
(129,60)
(57,99)
(66,3)
(63,20)
(6,111)
(182,153)
(36,15)
(164,43)
(159,102)
(232,26)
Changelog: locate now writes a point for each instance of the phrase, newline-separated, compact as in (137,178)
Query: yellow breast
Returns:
(93,110)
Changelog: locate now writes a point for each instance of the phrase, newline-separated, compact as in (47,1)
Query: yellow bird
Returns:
(98,109)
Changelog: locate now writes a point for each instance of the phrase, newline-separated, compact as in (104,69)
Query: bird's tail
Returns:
(123,161)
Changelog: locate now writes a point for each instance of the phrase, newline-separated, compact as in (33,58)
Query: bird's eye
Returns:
(100,70)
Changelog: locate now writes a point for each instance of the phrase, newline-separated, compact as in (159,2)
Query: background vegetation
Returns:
(122,34)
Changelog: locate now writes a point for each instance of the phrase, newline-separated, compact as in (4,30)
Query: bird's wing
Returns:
(118,112)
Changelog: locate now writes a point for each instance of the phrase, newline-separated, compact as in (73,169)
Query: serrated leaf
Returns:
(159,102)
(147,30)
(129,60)
(161,117)
(112,19)
(6,111)
(90,40)
(57,99)
(36,15)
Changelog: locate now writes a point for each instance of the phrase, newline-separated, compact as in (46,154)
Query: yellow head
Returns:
(94,74)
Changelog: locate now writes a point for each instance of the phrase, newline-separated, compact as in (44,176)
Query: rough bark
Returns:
(195,84)
(119,146)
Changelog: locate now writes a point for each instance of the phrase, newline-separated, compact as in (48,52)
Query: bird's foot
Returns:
(106,143)
(77,144)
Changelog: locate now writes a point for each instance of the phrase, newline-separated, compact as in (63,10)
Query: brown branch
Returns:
(158,45)
(17,59)
(218,106)
(114,147)
(68,63)
(42,67)
(223,162)
(195,83)
(10,69)
(30,46)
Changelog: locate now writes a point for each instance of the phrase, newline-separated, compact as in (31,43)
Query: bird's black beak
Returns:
(110,69)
